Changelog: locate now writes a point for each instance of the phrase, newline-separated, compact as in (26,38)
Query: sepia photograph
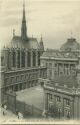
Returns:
(40,62)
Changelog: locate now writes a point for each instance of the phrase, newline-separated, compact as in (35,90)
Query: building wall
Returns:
(15,58)
(61,105)
(21,79)
(58,67)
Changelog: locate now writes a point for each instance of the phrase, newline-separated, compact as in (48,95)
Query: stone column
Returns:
(16,58)
(76,107)
(31,58)
(58,68)
(36,58)
(20,58)
(64,68)
(11,59)
(52,70)
(69,69)
(6,58)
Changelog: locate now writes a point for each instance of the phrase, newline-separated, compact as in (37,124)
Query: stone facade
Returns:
(20,61)
(62,63)
(21,79)
(62,86)
(61,102)
(16,58)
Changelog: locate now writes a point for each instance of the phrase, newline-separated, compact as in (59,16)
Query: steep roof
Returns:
(29,43)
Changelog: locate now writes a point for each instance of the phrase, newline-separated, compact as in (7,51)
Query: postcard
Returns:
(40,62)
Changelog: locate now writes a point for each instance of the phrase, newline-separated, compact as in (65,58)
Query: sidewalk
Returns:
(8,115)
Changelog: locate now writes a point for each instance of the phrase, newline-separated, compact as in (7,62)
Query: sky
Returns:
(56,20)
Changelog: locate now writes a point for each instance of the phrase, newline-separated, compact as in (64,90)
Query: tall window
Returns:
(14,59)
(23,59)
(29,59)
(18,59)
(34,59)
(2,61)
(38,58)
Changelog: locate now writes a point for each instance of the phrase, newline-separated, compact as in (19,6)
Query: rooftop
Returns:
(29,43)
(57,54)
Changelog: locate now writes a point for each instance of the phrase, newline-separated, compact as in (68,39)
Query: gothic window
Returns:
(2,61)
(34,59)
(29,59)
(23,59)
(18,59)
(14,59)
(8,59)
(38,58)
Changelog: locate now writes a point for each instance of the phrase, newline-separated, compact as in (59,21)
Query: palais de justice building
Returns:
(62,86)
(20,61)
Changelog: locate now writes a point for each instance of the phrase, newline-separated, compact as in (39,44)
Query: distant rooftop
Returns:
(60,54)
(71,44)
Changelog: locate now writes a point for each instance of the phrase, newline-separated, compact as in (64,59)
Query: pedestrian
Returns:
(5,107)
(20,115)
(3,113)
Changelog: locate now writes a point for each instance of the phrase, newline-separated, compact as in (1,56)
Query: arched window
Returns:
(34,59)
(38,58)
(28,59)
(14,59)
(22,59)
(2,61)
(18,59)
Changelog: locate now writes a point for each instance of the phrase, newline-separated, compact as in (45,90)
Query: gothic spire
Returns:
(24,28)
(41,44)
(24,10)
